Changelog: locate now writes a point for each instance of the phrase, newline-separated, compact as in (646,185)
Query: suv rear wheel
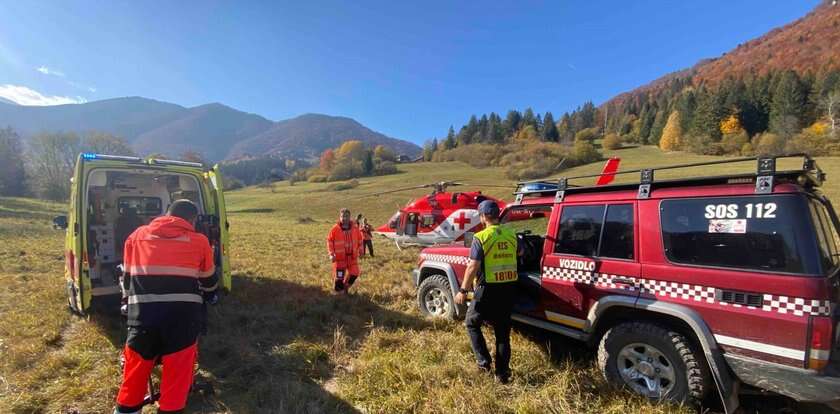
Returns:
(435,297)
(653,361)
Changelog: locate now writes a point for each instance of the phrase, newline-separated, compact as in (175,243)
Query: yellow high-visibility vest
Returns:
(499,245)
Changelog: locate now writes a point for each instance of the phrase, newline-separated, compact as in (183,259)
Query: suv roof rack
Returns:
(765,177)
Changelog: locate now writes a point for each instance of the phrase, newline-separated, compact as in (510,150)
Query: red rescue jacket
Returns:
(345,245)
(168,265)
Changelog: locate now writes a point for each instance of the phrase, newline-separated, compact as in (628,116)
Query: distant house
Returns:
(402,158)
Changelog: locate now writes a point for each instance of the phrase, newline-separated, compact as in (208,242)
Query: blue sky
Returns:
(407,69)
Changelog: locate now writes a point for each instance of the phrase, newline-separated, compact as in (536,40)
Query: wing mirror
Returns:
(60,222)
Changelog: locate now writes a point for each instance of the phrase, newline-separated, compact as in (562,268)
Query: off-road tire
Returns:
(692,380)
(437,285)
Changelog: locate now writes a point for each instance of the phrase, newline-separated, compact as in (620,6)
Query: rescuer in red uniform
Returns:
(168,266)
(344,244)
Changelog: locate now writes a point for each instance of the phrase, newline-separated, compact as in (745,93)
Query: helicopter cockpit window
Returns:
(411,225)
(394,222)
(530,219)
(428,220)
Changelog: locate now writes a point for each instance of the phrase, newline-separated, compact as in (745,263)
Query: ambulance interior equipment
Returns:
(116,202)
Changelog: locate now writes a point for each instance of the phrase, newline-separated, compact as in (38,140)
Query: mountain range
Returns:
(216,131)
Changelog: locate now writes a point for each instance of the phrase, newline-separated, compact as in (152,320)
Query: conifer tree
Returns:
(686,105)
(549,131)
(647,117)
(788,105)
(755,110)
(528,119)
(511,123)
(450,142)
(658,125)
(483,128)
(708,115)
(565,131)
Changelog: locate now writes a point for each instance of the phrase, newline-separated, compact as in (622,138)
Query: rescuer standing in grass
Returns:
(344,244)
(168,266)
(493,265)
(367,234)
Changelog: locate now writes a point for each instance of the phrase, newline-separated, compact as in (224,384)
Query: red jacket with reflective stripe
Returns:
(169,246)
(345,245)
(167,262)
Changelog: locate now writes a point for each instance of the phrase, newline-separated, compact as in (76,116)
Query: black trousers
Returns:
(368,245)
(497,312)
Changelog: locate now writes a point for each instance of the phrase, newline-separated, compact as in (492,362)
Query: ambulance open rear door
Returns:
(218,197)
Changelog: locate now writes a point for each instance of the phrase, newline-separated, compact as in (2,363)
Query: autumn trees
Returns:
(353,159)
(672,133)
(734,115)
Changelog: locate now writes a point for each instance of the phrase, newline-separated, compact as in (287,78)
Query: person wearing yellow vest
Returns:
(493,266)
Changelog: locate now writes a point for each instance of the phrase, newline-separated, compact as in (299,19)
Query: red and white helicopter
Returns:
(438,218)
(443,217)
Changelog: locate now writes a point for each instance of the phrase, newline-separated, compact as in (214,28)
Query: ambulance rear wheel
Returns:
(435,297)
(653,361)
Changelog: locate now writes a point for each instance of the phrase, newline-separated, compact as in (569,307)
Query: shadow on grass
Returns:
(272,343)
(560,348)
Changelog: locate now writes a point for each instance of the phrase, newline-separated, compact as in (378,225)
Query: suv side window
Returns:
(617,241)
(827,237)
(764,233)
(580,230)
(587,231)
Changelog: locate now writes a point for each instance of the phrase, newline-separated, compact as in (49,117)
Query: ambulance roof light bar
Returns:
(94,156)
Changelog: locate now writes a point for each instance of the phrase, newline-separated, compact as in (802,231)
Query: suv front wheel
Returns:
(653,361)
(435,297)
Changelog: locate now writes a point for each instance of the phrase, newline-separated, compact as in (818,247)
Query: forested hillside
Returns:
(778,93)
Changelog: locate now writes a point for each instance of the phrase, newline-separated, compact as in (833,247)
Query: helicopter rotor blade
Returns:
(416,187)
(474,184)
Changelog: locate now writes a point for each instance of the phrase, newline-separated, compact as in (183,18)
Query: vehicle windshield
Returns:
(827,236)
(533,219)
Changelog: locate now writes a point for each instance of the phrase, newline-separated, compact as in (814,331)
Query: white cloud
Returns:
(25,96)
(92,89)
(47,71)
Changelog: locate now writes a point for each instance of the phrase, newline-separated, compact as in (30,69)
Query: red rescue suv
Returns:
(687,287)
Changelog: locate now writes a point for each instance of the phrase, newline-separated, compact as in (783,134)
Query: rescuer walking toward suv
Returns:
(168,266)
(493,265)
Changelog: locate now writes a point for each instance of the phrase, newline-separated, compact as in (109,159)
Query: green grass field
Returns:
(281,342)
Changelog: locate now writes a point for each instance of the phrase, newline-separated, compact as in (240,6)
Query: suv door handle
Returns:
(624,281)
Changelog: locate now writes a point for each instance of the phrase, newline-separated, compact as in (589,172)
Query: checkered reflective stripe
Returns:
(685,291)
(446,258)
(679,290)
(796,306)
(602,280)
